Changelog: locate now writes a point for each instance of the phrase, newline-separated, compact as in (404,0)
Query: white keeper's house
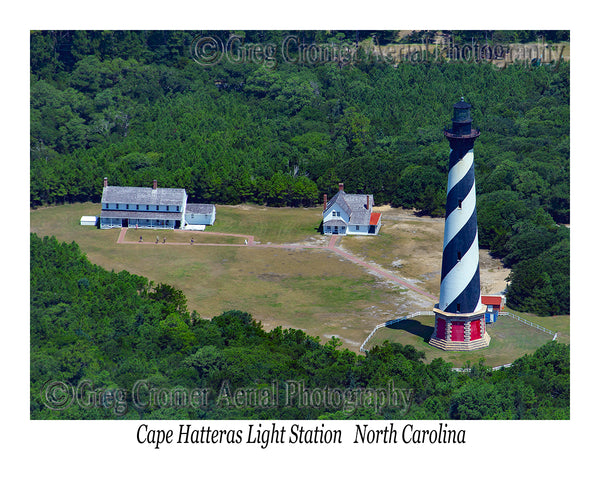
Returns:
(145,207)
(350,214)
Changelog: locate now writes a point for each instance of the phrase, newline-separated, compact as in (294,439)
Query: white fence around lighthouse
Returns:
(418,314)
(392,322)
(531,324)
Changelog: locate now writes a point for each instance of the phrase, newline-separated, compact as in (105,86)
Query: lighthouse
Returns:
(460,315)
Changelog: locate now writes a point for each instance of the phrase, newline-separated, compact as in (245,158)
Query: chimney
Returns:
(341,185)
(105,182)
(368,199)
(154,184)
(324,202)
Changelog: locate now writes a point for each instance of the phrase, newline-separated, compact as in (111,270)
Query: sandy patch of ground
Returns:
(492,274)
(410,246)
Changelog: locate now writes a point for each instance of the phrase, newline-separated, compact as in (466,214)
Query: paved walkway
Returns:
(382,272)
(249,242)
(122,235)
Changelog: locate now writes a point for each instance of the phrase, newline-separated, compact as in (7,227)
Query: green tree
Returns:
(175,333)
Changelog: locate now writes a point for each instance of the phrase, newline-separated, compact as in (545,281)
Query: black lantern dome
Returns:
(461,122)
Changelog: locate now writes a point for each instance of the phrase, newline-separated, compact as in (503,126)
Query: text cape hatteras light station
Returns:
(266,434)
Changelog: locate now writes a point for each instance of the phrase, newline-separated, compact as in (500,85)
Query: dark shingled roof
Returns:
(200,208)
(144,195)
(355,205)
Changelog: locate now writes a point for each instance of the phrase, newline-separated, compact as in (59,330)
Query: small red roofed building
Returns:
(494,304)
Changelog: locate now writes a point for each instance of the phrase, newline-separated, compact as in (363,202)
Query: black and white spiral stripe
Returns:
(460,290)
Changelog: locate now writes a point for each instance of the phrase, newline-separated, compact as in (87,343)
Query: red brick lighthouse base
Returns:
(459,331)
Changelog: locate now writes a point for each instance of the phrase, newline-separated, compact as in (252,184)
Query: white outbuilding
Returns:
(88,220)
(199,214)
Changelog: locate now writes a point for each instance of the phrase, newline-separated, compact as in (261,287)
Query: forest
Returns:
(102,332)
(134,106)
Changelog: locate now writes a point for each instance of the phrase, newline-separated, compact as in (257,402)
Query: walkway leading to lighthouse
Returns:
(383,273)
(249,242)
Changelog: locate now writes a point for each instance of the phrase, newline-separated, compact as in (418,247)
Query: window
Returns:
(167,208)
(357,228)
(177,207)
(117,206)
(459,256)
(458,307)
(127,207)
(147,207)
(137,207)
(157,207)
(460,204)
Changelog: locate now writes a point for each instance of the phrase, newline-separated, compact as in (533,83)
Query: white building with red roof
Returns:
(350,214)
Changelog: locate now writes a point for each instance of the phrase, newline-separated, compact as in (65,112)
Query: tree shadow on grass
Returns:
(319,229)
(413,327)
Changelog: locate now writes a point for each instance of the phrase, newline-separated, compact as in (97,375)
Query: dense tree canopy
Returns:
(134,106)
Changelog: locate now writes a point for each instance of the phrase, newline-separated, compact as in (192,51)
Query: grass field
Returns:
(172,236)
(557,323)
(315,290)
(312,289)
(410,248)
(269,225)
(510,339)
